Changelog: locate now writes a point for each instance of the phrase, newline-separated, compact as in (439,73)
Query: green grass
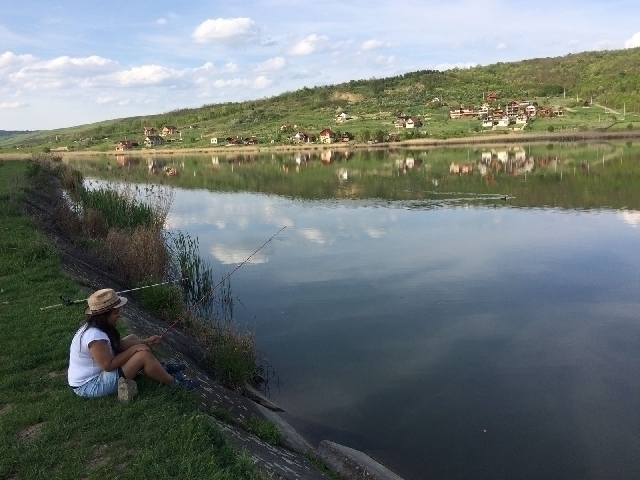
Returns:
(48,432)
(264,429)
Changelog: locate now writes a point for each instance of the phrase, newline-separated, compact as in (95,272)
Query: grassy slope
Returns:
(48,432)
(610,78)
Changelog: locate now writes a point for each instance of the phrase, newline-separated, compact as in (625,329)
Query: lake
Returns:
(453,313)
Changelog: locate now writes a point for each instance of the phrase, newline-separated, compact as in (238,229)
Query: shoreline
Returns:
(480,139)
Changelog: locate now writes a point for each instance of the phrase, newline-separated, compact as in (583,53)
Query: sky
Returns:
(66,63)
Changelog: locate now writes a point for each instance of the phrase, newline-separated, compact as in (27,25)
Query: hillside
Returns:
(608,78)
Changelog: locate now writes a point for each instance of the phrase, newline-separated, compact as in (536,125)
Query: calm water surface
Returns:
(467,340)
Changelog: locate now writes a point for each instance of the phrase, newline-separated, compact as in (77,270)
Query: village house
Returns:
(168,130)
(412,122)
(233,140)
(286,127)
(545,112)
(343,117)
(302,137)
(513,108)
(327,136)
(400,120)
(149,131)
(252,140)
(491,96)
(153,140)
(217,140)
(123,145)
(347,137)
(462,111)
(502,122)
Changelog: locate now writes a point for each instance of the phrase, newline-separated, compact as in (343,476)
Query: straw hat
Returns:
(103,301)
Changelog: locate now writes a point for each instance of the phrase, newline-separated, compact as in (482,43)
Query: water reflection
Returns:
(443,329)
(568,176)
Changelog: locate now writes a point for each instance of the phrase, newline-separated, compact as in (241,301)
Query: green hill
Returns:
(608,78)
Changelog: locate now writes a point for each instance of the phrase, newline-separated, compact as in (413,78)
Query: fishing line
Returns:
(210,291)
(68,301)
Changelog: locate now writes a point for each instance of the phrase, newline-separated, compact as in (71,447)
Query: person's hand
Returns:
(141,347)
(153,339)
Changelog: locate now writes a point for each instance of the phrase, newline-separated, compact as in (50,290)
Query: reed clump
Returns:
(231,349)
(140,251)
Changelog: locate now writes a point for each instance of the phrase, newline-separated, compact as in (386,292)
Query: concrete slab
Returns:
(352,464)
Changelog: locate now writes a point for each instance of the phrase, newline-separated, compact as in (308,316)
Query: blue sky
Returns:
(71,62)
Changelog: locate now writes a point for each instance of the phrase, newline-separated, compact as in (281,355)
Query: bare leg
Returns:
(144,360)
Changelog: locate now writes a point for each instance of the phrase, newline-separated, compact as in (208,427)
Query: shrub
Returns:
(550,128)
(630,126)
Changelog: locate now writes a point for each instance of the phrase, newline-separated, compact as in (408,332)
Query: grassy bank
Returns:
(48,432)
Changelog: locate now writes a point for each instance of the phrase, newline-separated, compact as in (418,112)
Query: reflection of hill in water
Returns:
(578,176)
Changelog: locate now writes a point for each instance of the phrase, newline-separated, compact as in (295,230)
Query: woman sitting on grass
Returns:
(98,357)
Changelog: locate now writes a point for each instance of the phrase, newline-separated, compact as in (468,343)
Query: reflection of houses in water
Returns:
(236,159)
(154,165)
(326,156)
(215,161)
(461,168)
(343,174)
(126,161)
(512,161)
(406,164)
(302,158)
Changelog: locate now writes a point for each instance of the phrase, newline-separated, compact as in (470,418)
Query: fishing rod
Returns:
(68,301)
(210,291)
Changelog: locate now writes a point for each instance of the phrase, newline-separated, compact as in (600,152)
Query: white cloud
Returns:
(314,235)
(501,46)
(161,21)
(631,218)
(62,72)
(372,44)
(308,45)
(222,29)
(9,59)
(229,255)
(146,75)
(261,82)
(12,105)
(231,67)
(275,63)
(633,42)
